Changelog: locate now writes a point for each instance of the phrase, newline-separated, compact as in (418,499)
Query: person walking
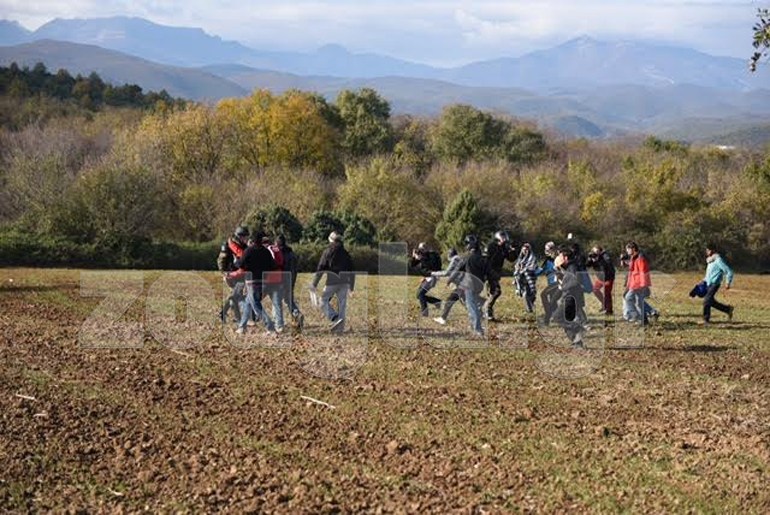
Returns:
(256,262)
(571,302)
(471,274)
(497,251)
(230,254)
(457,293)
(717,272)
(601,261)
(337,265)
(525,276)
(290,265)
(638,284)
(551,293)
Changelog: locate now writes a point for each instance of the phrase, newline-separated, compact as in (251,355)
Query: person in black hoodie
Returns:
(255,262)
(572,299)
(337,264)
(471,274)
(498,250)
(424,262)
(601,261)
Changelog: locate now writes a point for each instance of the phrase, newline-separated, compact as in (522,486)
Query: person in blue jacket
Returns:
(717,271)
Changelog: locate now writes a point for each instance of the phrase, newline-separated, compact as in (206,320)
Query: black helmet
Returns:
(242,231)
(471,241)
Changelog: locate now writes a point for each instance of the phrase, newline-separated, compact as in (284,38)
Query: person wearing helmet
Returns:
(425,261)
(497,251)
(601,261)
(471,274)
(337,265)
(230,253)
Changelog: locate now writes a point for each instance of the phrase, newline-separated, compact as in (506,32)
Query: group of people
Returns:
(255,267)
(567,272)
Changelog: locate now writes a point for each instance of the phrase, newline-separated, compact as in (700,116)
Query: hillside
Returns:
(118,68)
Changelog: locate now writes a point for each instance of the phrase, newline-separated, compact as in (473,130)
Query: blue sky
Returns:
(436,32)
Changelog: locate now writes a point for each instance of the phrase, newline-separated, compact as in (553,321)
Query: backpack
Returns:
(225,259)
(275,276)
(433,260)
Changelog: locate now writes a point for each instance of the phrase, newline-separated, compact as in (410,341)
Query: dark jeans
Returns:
(549,296)
(710,302)
(425,299)
(493,287)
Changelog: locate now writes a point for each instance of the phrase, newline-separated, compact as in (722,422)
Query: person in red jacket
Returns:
(256,261)
(637,285)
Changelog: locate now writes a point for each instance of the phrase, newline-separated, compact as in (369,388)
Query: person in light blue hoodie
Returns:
(717,271)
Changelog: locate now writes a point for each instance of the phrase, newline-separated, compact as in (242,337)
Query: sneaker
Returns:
(271,334)
(300,321)
(251,323)
(730,313)
(336,323)
(440,320)
(279,330)
(240,330)
(654,316)
(704,323)
(578,345)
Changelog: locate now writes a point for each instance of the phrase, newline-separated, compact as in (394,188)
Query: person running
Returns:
(274,283)
(256,261)
(601,261)
(498,250)
(457,293)
(230,253)
(471,274)
(572,299)
(525,276)
(290,264)
(337,264)
(426,261)
(717,272)
(551,292)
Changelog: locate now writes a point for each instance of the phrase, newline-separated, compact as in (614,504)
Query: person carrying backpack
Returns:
(717,271)
(426,261)
(252,267)
(274,283)
(230,254)
(290,264)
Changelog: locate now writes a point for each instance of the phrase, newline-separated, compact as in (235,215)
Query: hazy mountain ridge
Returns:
(582,87)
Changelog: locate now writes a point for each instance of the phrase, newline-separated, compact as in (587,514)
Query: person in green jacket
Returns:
(717,271)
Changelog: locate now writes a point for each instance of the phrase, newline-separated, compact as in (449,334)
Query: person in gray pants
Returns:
(337,264)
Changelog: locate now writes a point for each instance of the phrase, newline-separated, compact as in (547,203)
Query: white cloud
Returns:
(439,31)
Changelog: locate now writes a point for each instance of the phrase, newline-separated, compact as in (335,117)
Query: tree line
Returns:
(301,164)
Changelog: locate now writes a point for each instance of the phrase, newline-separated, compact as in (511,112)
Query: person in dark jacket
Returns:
(423,262)
(498,250)
(337,264)
(290,264)
(551,292)
(256,261)
(230,254)
(572,299)
(471,274)
(601,261)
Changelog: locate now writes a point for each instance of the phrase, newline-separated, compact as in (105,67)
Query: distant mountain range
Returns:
(583,87)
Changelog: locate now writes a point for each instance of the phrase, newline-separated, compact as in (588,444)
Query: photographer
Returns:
(600,260)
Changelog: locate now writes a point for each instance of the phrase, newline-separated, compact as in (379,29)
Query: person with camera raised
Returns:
(497,251)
